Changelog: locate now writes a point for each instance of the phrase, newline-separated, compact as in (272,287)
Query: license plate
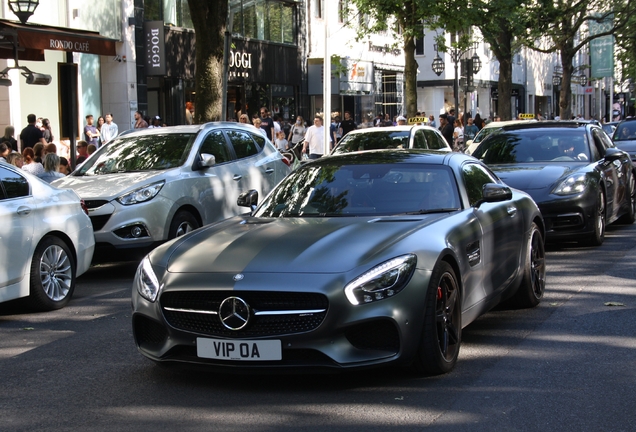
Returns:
(247,350)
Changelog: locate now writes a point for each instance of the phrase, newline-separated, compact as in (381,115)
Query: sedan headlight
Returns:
(382,281)
(147,283)
(142,194)
(572,185)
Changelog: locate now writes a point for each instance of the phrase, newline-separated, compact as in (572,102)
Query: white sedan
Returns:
(46,240)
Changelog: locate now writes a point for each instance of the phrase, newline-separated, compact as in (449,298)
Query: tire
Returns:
(532,285)
(52,277)
(182,223)
(441,336)
(597,237)
(630,217)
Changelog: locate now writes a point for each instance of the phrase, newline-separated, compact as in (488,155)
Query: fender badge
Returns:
(238,277)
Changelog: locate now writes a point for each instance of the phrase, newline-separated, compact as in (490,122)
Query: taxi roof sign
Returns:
(415,120)
(526,116)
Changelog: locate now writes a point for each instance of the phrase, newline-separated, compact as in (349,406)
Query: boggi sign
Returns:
(155,48)
(240,60)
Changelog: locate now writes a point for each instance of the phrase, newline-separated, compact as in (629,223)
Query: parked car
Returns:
(392,137)
(488,129)
(353,260)
(149,186)
(625,138)
(580,181)
(47,240)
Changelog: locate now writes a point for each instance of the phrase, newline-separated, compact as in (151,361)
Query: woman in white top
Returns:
(257,124)
(458,136)
(30,165)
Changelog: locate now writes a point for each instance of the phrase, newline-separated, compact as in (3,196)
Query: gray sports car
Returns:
(351,261)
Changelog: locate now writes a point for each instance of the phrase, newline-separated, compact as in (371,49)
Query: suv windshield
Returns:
(375,140)
(625,131)
(139,153)
(327,190)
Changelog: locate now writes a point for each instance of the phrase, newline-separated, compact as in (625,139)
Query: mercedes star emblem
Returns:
(238,277)
(234,313)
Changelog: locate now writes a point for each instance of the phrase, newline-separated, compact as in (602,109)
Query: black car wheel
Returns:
(532,286)
(597,237)
(182,223)
(630,216)
(52,275)
(441,338)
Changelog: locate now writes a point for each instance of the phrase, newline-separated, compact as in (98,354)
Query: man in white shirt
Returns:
(315,139)
(109,129)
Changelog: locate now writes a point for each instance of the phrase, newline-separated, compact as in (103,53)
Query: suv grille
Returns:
(99,221)
(259,325)
(93,204)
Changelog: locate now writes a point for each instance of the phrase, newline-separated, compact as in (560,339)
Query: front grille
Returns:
(565,221)
(93,204)
(259,326)
(148,332)
(99,221)
(375,335)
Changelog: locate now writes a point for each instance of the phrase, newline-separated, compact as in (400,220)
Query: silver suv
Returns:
(152,185)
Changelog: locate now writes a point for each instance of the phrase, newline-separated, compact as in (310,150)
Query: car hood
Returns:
(627,145)
(533,176)
(106,186)
(289,245)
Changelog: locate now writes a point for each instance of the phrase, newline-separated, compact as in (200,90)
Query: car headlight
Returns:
(147,283)
(142,194)
(572,185)
(382,281)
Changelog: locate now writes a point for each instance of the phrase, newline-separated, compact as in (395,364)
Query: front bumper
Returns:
(344,336)
(569,217)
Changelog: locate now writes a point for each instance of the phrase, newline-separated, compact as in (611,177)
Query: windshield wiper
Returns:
(421,212)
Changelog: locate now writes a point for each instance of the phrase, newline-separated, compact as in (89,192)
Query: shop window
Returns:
(263,20)
(171,12)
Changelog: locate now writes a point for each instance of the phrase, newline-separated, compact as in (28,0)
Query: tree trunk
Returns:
(565,94)
(410,76)
(209,20)
(503,53)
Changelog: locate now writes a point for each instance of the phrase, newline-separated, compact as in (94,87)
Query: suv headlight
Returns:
(142,194)
(572,185)
(382,281)
(146,280)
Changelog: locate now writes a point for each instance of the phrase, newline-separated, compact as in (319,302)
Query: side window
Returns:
(475,177)
(244,145)
(14,184)
(216,145)
(598,142)
(419,142)
(260,140)
(435,141)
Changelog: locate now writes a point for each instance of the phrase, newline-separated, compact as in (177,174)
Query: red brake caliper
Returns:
(439,293)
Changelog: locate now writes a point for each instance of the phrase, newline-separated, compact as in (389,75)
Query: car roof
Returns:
(391,156)
(495,124)
(404,128)
(548,124)
(187,128)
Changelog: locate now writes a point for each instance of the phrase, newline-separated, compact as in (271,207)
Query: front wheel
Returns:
(532,286)
(52,275)
(597,237)
(182,223)
(441,336)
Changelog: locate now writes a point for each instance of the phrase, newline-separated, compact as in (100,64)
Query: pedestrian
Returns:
(297,134)
(189,113)
(156,122)
(314,139)
(281,143)
(30,165)
(470,130)
(140,123)
(92,148)
(387,120)
(49,148)
(258,124)
(47,132)
(243,118)
(347,125)
(334,130)
(478,121)
(31,134)
(4,152)
(98,126)
(377,122)
(458,136)
(91,134)
(8,138)
(451,116)
(109,129)
(64,168)
(277,127)
(82,152)
(15,159)
(446,129)
(51,168)
(267,124)
(431,121)
(38,150)
(401,121)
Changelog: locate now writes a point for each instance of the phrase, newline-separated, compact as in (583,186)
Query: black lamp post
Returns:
(23,9)
(438,65)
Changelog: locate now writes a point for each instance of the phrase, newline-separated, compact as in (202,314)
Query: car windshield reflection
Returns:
(361,190)
(373,141)
(139,153)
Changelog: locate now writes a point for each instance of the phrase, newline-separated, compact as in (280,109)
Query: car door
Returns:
(435,140)
(502,230)
(18,214)
(270,166)
(614,173)
(217,187)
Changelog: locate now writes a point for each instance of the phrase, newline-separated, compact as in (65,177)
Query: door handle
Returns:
(269,170)
(512,210)
(237,177)
(23,211)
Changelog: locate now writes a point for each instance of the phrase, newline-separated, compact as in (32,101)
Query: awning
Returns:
(33,39)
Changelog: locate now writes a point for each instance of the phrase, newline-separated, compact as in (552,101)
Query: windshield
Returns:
(625,132)
(139,153)
(375,140)
(361,190)
(534,145)
(483,133)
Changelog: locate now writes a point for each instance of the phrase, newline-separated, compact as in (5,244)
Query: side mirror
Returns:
(612,154)
(207,160)
(248,199)
(493,192)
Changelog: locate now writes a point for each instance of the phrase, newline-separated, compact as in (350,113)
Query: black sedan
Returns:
(580,181)
(352,261)
(625,138)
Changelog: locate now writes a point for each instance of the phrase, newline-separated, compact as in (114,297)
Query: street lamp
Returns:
(23,9)
(557,75)
(438,65)
(476,63)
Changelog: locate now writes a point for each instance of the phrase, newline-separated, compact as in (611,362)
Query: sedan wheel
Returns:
(52,275)
(532,286)
(182,223)
(441,337)
(597,237)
